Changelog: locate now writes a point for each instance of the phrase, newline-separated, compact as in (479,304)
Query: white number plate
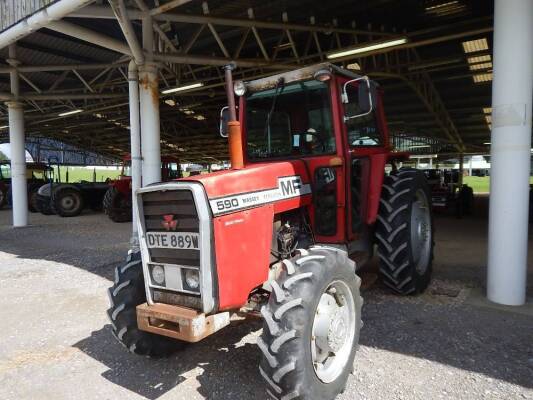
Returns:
(173,240)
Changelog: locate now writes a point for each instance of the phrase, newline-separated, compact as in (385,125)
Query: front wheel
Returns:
(311,326)
(127,292)
(67,202)
(404,232)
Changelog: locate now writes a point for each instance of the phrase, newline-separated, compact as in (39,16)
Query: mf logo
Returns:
(290,186)
(169,223)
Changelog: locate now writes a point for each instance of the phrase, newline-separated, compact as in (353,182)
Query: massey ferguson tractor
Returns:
(307,195)
(117,199)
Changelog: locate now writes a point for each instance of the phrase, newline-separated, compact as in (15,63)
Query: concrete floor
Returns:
(56,341)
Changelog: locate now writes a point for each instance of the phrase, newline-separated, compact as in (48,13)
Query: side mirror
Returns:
(357,93)
(224,119)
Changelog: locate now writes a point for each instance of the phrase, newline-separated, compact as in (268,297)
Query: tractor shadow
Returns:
(222,367)
(445,330)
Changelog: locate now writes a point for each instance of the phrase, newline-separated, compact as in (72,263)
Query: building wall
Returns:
(12,11)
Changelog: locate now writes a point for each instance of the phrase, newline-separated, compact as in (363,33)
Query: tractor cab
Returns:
(332,121)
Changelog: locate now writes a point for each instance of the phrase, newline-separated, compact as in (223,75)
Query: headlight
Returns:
(239,88)
(158,274)
(192,279)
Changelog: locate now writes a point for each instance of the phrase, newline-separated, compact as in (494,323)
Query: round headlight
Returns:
(239,88)
(192,279)
(158,274)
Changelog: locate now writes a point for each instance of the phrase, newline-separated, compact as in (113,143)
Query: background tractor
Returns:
(68,199)
(36,175)
(282,232)
(117,200)
(448,195)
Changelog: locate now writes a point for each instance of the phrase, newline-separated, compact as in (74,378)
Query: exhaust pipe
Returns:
(234,126)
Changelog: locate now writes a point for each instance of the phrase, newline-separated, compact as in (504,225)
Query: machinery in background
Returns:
(447,194)
(37,174)
(69,199)
(117,200)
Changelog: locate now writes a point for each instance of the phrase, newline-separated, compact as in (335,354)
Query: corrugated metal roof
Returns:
(12,11)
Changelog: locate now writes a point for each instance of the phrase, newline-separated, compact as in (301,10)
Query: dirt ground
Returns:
(55,342)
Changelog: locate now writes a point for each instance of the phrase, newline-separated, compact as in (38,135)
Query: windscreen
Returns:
(290,121)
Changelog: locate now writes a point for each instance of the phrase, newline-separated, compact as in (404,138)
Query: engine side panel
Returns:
(242,247)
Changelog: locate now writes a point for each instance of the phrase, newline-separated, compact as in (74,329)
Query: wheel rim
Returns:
(420,231)
(69,202)
(333,332)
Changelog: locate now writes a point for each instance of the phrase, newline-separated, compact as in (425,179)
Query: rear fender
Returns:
(242,246)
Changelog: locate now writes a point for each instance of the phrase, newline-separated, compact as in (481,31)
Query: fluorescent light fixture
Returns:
(487,110)
(183,88)
(480,78)
(479,59)
(4,126)
(487,143)
(475,67)
(473,46)
(442,5)
(368,47)
(170,102)
(71,112)
(488,118)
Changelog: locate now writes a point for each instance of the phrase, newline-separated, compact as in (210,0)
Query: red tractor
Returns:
(279,232)
(117,199)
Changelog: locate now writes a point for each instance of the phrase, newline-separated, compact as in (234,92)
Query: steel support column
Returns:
(149,100)
(135,139)
(19,188)
(512,89)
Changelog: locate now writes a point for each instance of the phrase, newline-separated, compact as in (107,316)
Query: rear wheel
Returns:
(32,200)
(311,326)
(404,232)
(67,202)
(3,198)
(125,295)
(117,206)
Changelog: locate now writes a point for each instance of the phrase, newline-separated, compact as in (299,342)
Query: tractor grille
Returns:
(175,226)
(180,205)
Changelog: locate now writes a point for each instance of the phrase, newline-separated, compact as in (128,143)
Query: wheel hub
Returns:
(67,202)
(333,331)
(421,231)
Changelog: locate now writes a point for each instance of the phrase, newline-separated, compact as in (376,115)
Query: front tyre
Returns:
(404,232)
(311,326)
(125,295)
(67,202)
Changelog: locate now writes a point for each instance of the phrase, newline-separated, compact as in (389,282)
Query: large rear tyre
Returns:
(311,326)
(67,202)
(117,206)
(404,232)
(125,295)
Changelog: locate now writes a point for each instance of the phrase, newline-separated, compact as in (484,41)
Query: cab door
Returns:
(366,153)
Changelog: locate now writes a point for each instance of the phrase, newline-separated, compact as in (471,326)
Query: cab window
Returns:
(362,130)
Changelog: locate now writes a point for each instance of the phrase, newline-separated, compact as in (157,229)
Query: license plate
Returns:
(172,240)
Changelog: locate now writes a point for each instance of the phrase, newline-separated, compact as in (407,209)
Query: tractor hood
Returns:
(254,185)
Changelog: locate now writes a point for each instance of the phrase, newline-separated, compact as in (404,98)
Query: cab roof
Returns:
(300,74)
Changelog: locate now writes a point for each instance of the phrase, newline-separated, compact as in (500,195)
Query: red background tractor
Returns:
(117,200)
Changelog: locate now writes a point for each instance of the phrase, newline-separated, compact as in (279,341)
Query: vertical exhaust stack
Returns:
(234,126)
